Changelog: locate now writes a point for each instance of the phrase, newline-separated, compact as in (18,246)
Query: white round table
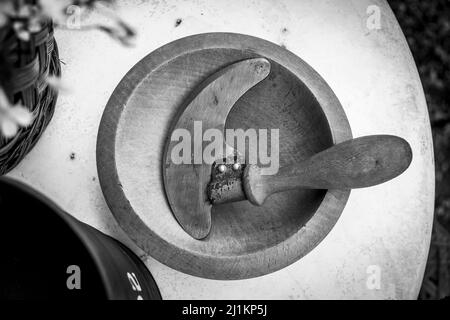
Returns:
(379,246)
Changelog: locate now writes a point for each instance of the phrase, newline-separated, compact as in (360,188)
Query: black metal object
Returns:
(48,254)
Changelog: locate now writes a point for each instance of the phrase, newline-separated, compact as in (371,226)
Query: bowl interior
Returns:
(245,240)
(282,102)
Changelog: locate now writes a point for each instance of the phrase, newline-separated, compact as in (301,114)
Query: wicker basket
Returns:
(32,61)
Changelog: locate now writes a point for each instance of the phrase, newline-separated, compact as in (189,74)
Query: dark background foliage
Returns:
(426,25)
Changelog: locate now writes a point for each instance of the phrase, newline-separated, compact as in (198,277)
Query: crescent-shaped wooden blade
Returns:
(186,183)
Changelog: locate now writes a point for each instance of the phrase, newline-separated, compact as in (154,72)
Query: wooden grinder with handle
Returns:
(193,188)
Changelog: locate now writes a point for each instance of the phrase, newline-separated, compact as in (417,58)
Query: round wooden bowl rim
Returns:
(223,267)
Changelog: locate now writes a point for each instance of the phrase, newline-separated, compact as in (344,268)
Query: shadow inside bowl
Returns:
(281,102)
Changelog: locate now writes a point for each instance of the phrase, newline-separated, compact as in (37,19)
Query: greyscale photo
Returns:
(224,154)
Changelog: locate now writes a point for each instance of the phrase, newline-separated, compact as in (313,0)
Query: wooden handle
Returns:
(357,163)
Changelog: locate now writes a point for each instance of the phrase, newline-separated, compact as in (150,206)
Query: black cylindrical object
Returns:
(48,254)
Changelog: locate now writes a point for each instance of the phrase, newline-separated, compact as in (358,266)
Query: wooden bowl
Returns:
(245,241)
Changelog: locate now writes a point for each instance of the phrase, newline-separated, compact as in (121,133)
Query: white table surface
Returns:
(385,229)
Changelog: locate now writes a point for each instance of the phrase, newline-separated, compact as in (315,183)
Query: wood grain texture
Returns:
(358,163)
(186,183)
(245,240)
